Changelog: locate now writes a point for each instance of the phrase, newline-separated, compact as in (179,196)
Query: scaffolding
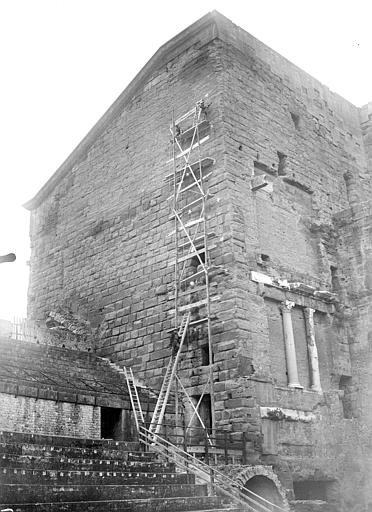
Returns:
(191,169)
(192,312)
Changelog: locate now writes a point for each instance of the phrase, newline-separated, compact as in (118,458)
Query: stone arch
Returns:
(262,486)
(263,481)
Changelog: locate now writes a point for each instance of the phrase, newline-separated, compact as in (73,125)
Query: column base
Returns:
(295,385)
(316,389)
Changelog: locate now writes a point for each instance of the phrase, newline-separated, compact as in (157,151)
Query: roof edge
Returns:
(167,51)
(219,27)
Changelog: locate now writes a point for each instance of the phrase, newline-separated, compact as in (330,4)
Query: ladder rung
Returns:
(195,322)
(205,162)
(187,292)
(187,150)
(201,320)
(199,238)
(192,305)
(190,186)
(182,210)
(182,328)
(190,205)
(190,255)
(187,132)
(187,225)
(182,118)
(190,278)
(194,183)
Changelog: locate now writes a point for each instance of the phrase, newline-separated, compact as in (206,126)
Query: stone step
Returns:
(79,442)
(63,386)
(82,453)
(36,493)
(142,456)
(224,509)
(29,363)
(50,476)
(51,360)
(34,363)
(21,348)
(178,504)
(8,460)
(30,351)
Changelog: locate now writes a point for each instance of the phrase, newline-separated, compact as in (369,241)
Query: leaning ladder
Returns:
(170,373)
(134,398)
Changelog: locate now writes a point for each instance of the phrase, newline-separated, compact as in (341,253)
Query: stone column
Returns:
(312,350)
(290,349)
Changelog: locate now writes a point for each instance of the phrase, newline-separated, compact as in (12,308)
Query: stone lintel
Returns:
(274,289)
(278,414)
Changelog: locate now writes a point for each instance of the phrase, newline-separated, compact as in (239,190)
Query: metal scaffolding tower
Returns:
(192,315)
(191,279)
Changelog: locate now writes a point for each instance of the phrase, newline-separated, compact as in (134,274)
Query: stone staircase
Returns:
(50,473)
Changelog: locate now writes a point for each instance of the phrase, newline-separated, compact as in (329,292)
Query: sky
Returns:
(63,62)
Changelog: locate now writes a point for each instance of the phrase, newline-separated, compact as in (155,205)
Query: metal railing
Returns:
(24,329)
(217,448)
(217,482)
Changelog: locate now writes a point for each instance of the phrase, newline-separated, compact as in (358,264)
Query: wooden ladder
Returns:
(134,398)
(162,401)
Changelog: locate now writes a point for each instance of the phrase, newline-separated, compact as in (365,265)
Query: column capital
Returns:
(287,305)
(309,312)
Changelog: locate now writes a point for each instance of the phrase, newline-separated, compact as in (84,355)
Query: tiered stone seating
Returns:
(57,369)
(58,373)
(49,473)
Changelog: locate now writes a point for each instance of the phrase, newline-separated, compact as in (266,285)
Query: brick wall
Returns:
(24,414)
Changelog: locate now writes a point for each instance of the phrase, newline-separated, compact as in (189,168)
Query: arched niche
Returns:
(260,486)
(261,479)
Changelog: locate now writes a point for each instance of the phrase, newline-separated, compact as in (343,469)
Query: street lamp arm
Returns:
(7,258)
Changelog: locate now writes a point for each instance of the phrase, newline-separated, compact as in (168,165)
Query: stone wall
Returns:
(100,247)
(25,414)
(355,253)
(314,166)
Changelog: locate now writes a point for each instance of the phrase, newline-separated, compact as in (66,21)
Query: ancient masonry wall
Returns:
(366,123)
(291,133)
(26,414)
(100,246)
(100,243)
(355,252)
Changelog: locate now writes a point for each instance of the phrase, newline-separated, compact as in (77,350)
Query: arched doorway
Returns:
(264,487)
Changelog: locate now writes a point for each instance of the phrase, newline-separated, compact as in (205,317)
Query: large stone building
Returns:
(289,214)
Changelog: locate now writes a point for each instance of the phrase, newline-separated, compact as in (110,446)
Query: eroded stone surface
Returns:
(100,248)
